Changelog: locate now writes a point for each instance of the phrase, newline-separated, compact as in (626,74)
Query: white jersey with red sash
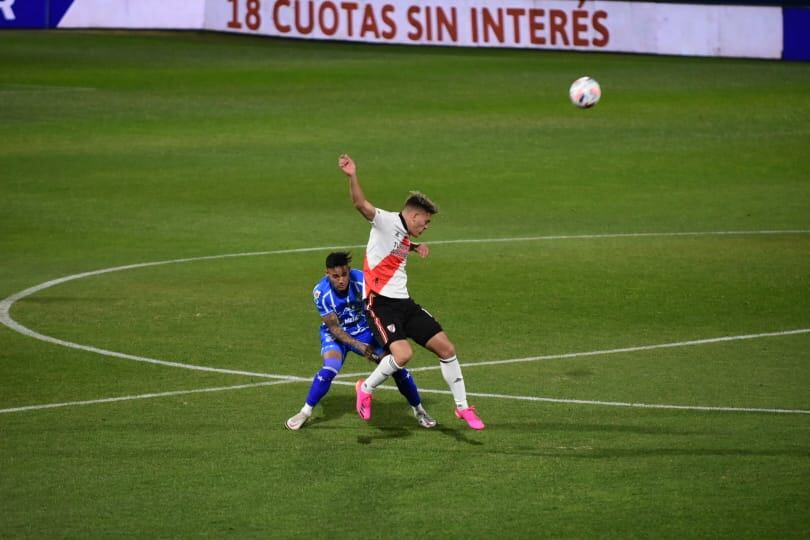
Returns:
(386,256)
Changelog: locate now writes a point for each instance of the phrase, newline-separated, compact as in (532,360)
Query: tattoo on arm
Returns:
(340,334)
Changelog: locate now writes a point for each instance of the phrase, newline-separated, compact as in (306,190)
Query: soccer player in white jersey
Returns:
(393,314)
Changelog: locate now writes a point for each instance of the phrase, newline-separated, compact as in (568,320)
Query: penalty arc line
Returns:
(7,303)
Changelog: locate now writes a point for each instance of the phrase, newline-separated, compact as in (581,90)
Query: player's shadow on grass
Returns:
(335,407)
(388,417)
(390,421)
(395,420)
(390,431)
(458,433)
(384,432)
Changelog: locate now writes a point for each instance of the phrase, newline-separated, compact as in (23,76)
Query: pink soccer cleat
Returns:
(469,416)
(363,403)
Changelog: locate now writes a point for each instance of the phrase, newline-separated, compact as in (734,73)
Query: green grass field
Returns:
(123,148)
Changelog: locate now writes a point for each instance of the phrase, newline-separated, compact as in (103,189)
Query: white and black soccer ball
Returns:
(585,92)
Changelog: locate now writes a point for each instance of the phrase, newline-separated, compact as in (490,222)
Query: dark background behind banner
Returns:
(35,13)
(796,34)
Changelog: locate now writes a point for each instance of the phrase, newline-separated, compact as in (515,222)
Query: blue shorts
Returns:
(329,343)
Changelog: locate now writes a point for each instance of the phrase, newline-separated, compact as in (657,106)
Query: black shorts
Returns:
(393,319)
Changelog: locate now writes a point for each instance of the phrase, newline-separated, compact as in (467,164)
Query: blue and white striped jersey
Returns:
(348,308)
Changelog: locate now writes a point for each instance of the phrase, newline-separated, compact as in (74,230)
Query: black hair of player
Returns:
(419,200)
(338,258)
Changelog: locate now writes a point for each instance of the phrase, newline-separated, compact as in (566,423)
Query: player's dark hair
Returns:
(338,258)
(419,200)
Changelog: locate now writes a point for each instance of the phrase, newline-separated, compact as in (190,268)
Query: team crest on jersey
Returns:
(316,293)
(392,328)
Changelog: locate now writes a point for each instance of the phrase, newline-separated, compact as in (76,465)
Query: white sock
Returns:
(451,371)
(384,369)
(306,409)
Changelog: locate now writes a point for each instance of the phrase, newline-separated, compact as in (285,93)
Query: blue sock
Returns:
(320,385)
(407,387)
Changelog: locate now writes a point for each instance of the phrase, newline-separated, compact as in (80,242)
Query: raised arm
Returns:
(359,200)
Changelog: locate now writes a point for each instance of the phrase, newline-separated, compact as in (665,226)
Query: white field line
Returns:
(602,403)
(624,404)
(145,359)
(421,390)
(566,356)
(7,303)
(141,396)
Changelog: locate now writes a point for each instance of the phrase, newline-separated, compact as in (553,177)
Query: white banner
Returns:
(147,14)
(639,27)
(477,23)
(586,25)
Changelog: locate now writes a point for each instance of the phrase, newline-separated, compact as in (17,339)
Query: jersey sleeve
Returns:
(357,276)
(376,218)
(384,221)
(320,303)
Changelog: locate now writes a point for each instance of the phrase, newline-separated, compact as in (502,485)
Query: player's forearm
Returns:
(356,192)
(359,198)
(345,338)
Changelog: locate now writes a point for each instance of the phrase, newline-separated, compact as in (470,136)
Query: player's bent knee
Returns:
(441,345)
(402,352)
(402,359)
(332,364)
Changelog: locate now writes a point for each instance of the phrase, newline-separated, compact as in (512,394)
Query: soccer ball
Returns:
(585,92)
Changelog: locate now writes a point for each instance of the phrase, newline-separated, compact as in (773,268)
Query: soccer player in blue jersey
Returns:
(339,301)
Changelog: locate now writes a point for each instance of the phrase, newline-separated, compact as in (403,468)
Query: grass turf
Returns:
(120,148)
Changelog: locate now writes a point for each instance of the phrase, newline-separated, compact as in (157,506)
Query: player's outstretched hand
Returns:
(347,165)
(370,355)
(422,250)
